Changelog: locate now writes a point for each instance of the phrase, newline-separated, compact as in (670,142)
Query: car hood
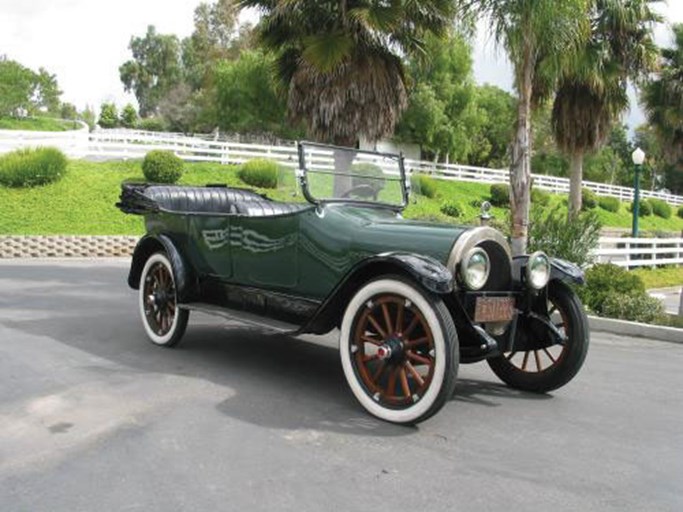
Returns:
(382,230)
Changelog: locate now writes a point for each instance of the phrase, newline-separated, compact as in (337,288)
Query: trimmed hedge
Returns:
(611,204)
(660,208)
(452,208)
(260,173)
(29,167)
(500,195)
(589,200)
(423,185)
(162,167)
(645,209)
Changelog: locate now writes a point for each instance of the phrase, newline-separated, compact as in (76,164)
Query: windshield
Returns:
(343,174)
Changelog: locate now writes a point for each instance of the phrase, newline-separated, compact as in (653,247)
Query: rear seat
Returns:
(268,208)
(199,199)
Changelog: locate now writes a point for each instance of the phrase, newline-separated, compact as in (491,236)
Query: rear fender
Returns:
(148,245)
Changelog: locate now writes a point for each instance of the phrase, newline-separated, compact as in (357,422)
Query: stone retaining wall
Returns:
(66,246)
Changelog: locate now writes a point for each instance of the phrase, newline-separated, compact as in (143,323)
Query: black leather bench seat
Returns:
(218,200)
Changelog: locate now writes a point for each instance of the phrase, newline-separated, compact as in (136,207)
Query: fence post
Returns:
(628,255)
(654,255)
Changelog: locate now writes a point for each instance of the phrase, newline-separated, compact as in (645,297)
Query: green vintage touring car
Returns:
(412,300)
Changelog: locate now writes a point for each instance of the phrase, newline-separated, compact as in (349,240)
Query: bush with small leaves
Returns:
(259,172)
(637,307)
(604,280)
(589,200)
(680,212)
(573,240)
(500,195)
(452,208)
(610,204)
(660,208)
(152,124)
(25,168)
(540,197)
(645,209)
(162,167)
(423,185)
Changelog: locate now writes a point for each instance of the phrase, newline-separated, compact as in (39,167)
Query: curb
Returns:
(636,329)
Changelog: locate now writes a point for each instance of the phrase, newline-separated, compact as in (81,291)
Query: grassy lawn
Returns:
(39,124)
(660,277)
(83,201)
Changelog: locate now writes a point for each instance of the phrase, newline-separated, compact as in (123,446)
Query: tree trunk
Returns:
(342,165)
(575,181)
(520,168)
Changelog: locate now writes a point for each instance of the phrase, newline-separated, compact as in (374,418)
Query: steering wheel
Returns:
(365,191)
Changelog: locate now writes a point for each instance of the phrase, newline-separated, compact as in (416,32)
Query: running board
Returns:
(243,316)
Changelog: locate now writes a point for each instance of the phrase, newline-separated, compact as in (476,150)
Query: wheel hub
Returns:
(391,350)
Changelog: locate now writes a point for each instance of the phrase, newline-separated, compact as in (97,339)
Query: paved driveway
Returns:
(95,418)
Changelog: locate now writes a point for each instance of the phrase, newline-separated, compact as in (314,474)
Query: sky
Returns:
(84,42)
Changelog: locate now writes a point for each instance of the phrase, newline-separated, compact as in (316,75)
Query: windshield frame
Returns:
(302,175)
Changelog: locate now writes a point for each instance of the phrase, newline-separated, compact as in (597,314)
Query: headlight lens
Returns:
(538,270)
(475,268)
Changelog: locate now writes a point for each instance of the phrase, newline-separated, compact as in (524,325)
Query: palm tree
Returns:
(591,94)
(340,63)
(535,34)
(663,100)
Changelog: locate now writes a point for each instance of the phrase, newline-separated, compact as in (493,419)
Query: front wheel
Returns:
(399,350)
(550,367)
(164,321)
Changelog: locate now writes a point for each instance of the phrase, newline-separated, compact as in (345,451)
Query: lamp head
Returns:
(638,156)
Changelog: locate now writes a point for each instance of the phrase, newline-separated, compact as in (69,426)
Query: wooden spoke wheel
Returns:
(399,351)
(164,322)
(548,368)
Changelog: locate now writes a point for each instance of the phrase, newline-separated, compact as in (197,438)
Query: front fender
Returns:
(148,245)
(426,271)
(561,270)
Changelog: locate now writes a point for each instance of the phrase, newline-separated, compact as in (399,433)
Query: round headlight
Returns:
(474,269)
(538,270)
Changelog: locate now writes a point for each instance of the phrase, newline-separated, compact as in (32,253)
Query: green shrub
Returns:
(611,204)
(452,208)
(540,197)
(152,124)
(660,208)
(637,307)
(500,194)
(605,280)
(260,173)
(162,167)
(645,209)
(680,212)
(554,234)
(589,200)
(372,177)
(32,167)
(423,185)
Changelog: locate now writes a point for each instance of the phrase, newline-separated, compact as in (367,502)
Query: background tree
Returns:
(340,62)
(129,116)
(246,99)
(68,111)
(592,93)
(47,95)
(109,116)
(154,69)
(88,116)
(495,114)
(662,98)
(535,34)
(17,87)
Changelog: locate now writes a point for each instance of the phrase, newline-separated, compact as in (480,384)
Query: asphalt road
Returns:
(95,418)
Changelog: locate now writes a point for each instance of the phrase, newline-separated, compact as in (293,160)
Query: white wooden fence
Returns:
(127,144)
(640,252)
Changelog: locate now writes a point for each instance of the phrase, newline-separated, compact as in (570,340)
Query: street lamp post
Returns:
(638,157)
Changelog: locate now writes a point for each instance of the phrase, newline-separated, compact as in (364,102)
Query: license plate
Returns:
(494,309)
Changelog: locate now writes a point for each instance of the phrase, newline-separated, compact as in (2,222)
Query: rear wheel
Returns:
(164,322)
(551,367)
(399,350)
